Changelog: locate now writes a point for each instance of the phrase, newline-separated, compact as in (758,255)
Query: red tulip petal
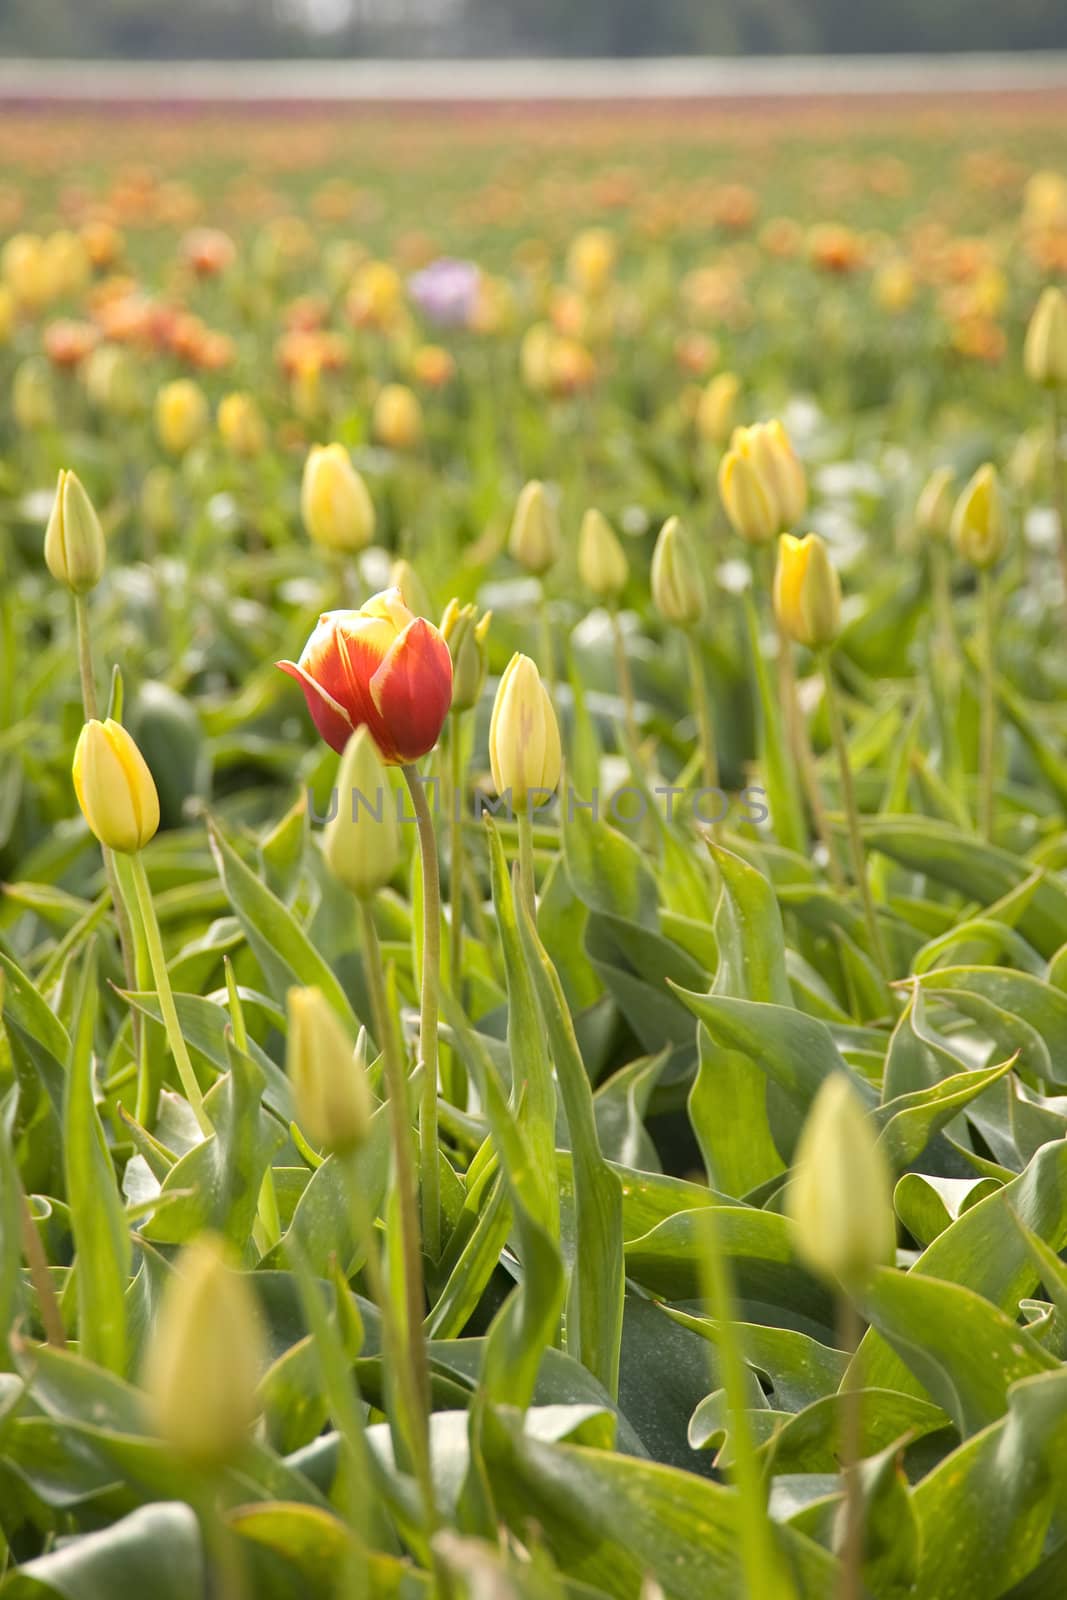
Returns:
(330,718)
(412,690)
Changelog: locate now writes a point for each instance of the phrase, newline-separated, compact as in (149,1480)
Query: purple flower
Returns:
(446,292)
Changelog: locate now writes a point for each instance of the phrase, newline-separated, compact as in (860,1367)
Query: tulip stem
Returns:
(431,978)
(157,957)
(698,686)
(850,1583)
(852,816)
(547,650)
(1059,483)
(527,881)
(456,858)
(626,684)
(987,603)
(40,1276)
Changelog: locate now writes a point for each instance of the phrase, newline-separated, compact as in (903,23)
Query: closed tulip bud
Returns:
(780,468)
(602,563)
(8,313)
(112,381)
(677,583)
(534,540)
(74,548)
(807,592)
(115,789)
(524,748)
(24,265)
(336,507)
(591,260)
(465,634)
(840,1198)
(380,666)
(403,576)
(933,511)
(205,1356)
(747,499)
(360,841)
(715,409)
(979,524)
(328,1074)
(1045,350)
(158,500)
(33,403)
(397,417)
(182,415)
(241,426)
(535,356)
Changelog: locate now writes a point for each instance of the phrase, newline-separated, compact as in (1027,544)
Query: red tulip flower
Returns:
(380,667)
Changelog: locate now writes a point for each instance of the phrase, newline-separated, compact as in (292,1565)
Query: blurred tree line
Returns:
(335,29)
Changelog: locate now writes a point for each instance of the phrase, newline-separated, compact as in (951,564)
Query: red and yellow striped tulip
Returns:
(380,667)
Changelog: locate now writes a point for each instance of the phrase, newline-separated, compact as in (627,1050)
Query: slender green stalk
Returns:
(987,758)
(546,647)
(40,1276)
(625,680)
(850,1583)
(268,1226)
(456,854)
(804,756)
(158,959)
(758,1564)
(428,1010)
(699,689)
(852,817)
(1059,482)
(527,882)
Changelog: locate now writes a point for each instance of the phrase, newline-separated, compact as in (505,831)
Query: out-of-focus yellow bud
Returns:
(807,591)
(535,357)
(8,313)
(748,499)
(678,592)
(74,548)
(433,366)
(182,415)
(306,389)
(602,563)
(328,1074)
(403,576)
(25,269)
(205,1356)
(335,504)
(112,381)
(465,634)
(716,407)
(534,540)
(33,403)
(66,262)
(840,1198)
(933,510)
(241,426)
(158,500)
(979,524)
(524,748)
(115,789)
(376,296)
(397,418)
(894,287)
(1045,350)
(360,841)
(769,448)
(591,260)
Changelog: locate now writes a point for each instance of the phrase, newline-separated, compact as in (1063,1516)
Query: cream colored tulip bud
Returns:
(182,415)
(534,541)
(779,465)
(33,403)
(602,563)
(979,523)
(678,592)
(1045,349)
(241,426)
(74,548)
(748,499)
(403,576)
(115,790)
(933,512)
(465,635)
(840,1198)
(524,746)
(328,1074)
(397,418)
(337,510)
(205,1356)
(360,842)
(715,410)
(807,592)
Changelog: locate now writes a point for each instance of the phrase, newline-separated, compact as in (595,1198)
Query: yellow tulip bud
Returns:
(715,409)
(241,426)
(840,1198)
(112,381)
(748,499)
(1045,350)
(534,540)
(780,467)
(8,313)
(25,270)
(602,563)
(336,507)
(205,1356)
(115,789)
(894,287)
(677,583)
(397,418)
(181,415)
(465,634)
(524,747)
(535,356)
(33,403)
(591,260)
(360,841)
(158,505)
(933,510)
(807,591)
(328,1074)
(979,524)
(403,576)
(74,548)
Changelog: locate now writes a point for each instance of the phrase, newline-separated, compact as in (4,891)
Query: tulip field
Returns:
(533,853)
